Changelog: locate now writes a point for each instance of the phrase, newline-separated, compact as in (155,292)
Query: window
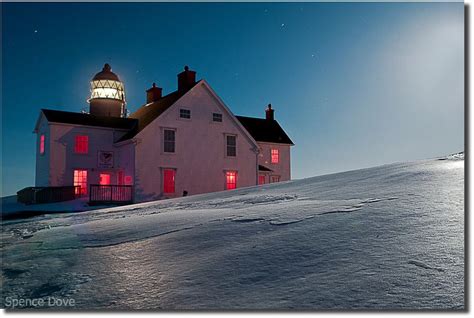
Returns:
(231,180)
(217,117)
(168,180)
(42,144)
(80,180)
(128,180)
(169,140)
(261,179)
(82,144)
(274,179)
(104,179)
(231,145)
(275,155)
(185,113)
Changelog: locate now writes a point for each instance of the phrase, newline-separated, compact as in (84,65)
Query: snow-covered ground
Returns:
(390,237)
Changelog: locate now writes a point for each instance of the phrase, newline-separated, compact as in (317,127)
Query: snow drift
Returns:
(389,237)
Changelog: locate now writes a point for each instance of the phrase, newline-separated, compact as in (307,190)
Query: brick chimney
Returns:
(153,94)
(186,79)
(269,113)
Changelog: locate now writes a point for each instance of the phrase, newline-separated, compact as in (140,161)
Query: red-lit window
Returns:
(104,179)
(275,155)
(168,180)
(82,144)
(231,180)
(42,144)
(80,180)
(274,179)
(261,179)
(128,180)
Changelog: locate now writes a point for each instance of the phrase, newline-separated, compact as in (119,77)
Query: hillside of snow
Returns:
(389,237)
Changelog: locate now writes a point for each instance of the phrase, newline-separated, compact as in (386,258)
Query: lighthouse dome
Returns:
(106,84)
(107,94)
(106,74)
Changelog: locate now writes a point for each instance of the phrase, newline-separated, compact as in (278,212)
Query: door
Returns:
(120,179)
(168,181)
(231,180)
(105,191)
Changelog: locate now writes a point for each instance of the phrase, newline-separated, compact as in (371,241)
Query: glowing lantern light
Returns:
(107,94)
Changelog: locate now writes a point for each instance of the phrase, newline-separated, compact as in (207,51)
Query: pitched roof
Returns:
(148,113)
(265,130)
(59,116)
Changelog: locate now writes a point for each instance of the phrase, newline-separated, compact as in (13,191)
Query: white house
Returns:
(184,143)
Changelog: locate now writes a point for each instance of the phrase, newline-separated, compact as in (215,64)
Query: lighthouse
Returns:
(107,94)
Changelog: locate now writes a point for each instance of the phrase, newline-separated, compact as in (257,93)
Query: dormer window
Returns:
(185,113)
(82,144)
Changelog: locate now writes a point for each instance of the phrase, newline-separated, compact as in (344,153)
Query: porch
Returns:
(110,194)
(98,194)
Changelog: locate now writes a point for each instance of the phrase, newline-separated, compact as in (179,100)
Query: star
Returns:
(36,31)
(283,25)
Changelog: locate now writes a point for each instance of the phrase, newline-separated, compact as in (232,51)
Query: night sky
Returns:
(354,85)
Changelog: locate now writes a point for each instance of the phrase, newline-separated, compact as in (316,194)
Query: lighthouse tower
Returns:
(107,94)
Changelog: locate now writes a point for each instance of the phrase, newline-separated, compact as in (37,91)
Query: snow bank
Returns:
(389,237)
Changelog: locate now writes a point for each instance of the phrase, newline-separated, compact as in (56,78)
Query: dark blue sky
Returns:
(354,85)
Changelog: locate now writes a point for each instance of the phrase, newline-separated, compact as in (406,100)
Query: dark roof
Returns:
(263,168)
(59,116)
(148,113)
(265,130)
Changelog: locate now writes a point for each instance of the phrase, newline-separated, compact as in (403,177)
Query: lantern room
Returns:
(107,94)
